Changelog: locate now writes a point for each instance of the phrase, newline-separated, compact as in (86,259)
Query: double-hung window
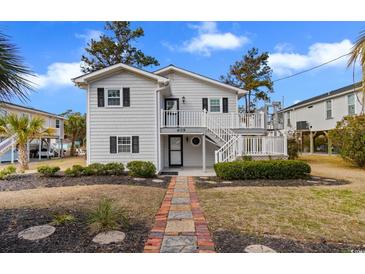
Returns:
(329,109)
(215,105)
(351,104)
(113,97)
(124,144)
(57,123)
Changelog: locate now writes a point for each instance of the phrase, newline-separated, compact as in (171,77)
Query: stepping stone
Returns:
(181,195)
(179,244)
(259,249)
(312,182)
(181,190)
(177,226)
(35,233)
(180,215)
(330,180)
(157,181)
(211,182)
(177,201)
(139,179)
(109,237)
(316,178)
(180,207)
(226,182)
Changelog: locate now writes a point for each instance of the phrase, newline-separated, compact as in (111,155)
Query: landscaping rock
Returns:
(35,233)
(139,179)
(259,249)
(204,178)
(211,182)
(226,182)
(157,181)
(109,237)
(330,180)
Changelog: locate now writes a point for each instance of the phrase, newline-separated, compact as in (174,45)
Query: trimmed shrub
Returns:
(48,171)
(7,171)
(75,171)
(141,169)
(97,169)
(273,170)
(114,168)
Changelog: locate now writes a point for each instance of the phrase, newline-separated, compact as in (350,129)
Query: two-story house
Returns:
(311,119)
(45,147)
(172,117)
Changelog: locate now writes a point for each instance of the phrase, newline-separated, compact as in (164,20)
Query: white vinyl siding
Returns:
(194,90)
(137,120)
(351,104)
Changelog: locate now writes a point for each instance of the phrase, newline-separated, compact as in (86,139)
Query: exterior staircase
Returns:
(7,144)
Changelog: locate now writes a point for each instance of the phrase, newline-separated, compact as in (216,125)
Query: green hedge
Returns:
(96,169)
(48,171)
(7,171)
(141,169)
(272,169)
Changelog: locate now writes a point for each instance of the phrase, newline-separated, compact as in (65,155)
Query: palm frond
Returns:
(358,51)
(14,75)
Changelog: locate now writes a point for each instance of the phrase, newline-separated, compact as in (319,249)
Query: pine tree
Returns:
(253,74)
(114,49)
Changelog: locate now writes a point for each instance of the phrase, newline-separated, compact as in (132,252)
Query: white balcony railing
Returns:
(183,118)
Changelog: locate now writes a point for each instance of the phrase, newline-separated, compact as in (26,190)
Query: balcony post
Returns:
(285,144)
(204,118)
(162,124)
(203,151)
(12,152)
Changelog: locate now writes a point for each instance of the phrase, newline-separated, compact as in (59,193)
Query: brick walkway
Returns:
(180,225)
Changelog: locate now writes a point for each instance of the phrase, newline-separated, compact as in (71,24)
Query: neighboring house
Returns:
(171,117)
(48,146)
(310,120)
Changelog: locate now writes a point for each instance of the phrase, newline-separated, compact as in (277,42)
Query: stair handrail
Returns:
(7,143)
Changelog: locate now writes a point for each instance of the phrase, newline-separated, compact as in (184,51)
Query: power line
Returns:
(304,71)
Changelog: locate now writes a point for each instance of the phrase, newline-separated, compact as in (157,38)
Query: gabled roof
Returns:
(85,78)
(324,95)
(199,77)
(19,107)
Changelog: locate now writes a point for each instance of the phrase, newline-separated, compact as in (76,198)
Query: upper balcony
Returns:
(198,119)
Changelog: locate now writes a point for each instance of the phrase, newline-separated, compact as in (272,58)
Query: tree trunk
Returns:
(23,157)
(73,140)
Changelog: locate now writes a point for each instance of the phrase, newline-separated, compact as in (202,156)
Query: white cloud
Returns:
(286,62)
(296,101)
(88,35)
(209,39)
(57,75)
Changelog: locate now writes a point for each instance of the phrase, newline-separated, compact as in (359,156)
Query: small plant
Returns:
(48,171)
(97,169)
(74,171)
(141,169)
(61,219)
(107,217)
(7,171)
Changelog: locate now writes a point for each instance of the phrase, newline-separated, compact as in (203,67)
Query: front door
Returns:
(175,150)
(172,112)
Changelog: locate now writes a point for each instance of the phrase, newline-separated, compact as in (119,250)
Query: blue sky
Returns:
(53,51)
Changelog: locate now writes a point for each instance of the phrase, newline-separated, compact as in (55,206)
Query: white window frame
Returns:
(59,123)
(330,109)
(130,144)
(106,96)
(348,104)
(220,104)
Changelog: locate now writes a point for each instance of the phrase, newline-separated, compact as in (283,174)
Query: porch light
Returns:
(183,99)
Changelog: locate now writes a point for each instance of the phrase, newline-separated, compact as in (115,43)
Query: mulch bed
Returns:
(211,182)
(234,242)
(71,237)
(30,181)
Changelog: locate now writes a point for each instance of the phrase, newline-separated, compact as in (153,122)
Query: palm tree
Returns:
(358,54)
(14,75)
(75,129)
(24,130)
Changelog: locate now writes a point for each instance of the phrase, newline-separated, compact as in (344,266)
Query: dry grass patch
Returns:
(141,202)
(308,213)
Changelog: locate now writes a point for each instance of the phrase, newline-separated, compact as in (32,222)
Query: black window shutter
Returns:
(205,103)
(101,100)
(225,105)
(126,97)
(113,144)
(135,144)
